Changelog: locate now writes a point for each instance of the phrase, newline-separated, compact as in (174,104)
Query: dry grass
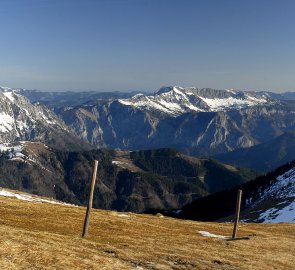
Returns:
(45,236)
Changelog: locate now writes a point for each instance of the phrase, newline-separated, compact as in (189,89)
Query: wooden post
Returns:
(90,200)
(237,216)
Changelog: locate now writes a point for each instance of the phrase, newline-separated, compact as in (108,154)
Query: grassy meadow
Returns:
(36,235)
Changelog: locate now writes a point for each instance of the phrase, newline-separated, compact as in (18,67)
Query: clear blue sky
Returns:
(144,44)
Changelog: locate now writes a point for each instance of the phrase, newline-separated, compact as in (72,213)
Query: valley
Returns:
(127,181)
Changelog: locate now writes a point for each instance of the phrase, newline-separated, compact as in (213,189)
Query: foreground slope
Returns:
(38,235)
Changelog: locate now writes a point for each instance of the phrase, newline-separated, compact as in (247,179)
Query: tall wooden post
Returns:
(237,216)
(90,200)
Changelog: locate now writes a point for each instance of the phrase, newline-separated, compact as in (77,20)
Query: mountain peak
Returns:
(176,100)
(164,89)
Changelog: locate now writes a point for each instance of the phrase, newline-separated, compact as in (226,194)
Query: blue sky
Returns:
(127,45)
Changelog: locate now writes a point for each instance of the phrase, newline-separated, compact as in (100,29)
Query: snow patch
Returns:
(283,192)
(26,197)
(9,95)
(123,215)
(274,215)
(14,151)
(6,122)
(207,234)
(217,104)
(116,162)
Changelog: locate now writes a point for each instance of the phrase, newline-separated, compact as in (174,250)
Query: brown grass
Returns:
(45,236)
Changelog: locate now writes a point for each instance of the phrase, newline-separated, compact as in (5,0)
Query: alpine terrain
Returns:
(127,181)
(196,121)
(269,199)
(21,120)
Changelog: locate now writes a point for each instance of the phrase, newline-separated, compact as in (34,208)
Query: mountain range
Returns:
(48,141)
(200,122)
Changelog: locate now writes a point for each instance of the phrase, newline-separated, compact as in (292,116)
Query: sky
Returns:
(127,45)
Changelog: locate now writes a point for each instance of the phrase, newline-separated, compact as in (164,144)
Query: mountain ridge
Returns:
(22,120)
(265,156)
(127,181)
(201,122)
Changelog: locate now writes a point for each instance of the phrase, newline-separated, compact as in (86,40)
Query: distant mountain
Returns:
(278,96)
(174,101)
(127,181)
(168,100)
(263,157)
(21,120)
(200,122)
(57,100)
(269,198)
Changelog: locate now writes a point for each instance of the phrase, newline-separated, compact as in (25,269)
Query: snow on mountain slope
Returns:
(14,151)
(277,202)
(177,100)
(22,151)
(18,116)
(22,120)
(30,198)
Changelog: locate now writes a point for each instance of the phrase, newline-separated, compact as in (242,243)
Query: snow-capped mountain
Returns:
(21,120)
(197,121)
(19,117)
(177,100)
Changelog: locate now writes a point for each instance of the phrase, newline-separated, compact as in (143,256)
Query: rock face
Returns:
(196,121)
(21,120)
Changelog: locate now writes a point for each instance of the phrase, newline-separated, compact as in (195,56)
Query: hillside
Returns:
(127,181)
(276,203)
(132,241)
(265,156)
(269,198)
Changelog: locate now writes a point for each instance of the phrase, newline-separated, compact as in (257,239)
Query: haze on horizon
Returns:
(116,45)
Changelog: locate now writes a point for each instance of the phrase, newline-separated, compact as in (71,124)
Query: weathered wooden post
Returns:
(237,216)
(90,200)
